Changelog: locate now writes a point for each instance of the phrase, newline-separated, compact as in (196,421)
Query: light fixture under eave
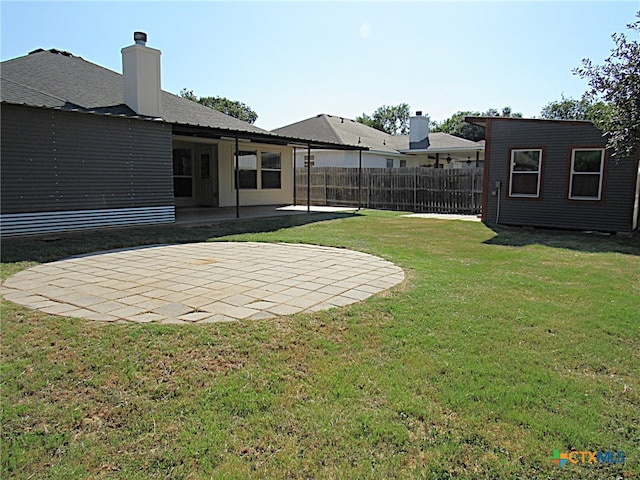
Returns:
(448,159)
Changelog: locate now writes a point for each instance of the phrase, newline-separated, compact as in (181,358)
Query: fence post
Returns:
(415,189)
(308,178)
(473,191)
(325,187)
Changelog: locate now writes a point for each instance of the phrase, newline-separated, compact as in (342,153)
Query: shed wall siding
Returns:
(614,212)
(58,161)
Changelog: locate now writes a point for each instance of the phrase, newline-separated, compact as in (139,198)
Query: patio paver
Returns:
(202,282)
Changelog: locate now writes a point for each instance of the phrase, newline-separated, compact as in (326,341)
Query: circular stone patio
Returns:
(202,282)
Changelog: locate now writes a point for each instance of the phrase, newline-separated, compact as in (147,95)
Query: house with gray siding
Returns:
(84,147)
(557,174)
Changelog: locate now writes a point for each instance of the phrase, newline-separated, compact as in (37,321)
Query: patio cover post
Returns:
(308,178)
(294,177)
(359,179)
(237,180)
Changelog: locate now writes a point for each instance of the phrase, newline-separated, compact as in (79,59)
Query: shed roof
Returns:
(482,121)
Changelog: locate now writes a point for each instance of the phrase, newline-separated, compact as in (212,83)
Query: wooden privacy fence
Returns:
(425,190)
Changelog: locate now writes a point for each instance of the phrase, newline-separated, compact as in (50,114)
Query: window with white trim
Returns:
(525,172)
(389,162)
(587,165)
(259,169)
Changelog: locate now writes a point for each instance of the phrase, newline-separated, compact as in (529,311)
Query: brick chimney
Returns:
(141,71)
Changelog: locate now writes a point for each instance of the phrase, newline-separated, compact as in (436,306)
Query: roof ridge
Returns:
(335,132)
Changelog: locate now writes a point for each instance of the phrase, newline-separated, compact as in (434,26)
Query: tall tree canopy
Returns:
(393,120)
(572,109)
(230,107)
(617,82)
(455,125)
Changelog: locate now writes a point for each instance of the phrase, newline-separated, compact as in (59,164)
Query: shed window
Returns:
(587,165)
(271,169)
(389,162)
(526,167)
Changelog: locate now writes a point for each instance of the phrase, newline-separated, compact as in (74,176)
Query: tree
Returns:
(617,82)
(393,120)
(455,125)
(229,107)
(572,109)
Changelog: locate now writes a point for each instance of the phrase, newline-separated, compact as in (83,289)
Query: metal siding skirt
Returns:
(49,222)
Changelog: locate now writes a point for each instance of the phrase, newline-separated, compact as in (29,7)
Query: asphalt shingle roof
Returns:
(330,128)
(55,79)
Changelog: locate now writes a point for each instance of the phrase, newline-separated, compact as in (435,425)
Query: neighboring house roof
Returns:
(443,141)
(331,128)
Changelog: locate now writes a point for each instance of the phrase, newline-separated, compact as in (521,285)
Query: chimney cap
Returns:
(140,38)
(419,113)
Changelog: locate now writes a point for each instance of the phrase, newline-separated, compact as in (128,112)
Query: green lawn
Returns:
(500,347)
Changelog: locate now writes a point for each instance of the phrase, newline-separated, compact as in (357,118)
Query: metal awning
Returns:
(258,137)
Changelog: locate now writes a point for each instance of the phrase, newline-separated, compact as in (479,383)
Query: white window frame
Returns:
(264,169)
(258,154)
(572,172)
(511,171)
(254,153)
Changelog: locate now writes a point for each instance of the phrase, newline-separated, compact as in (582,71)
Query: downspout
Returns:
(237,180)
